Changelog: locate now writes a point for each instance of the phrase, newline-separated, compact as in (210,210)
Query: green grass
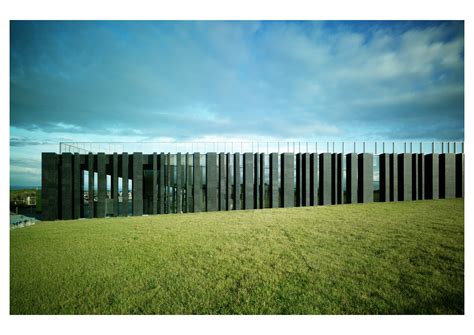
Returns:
(379,258)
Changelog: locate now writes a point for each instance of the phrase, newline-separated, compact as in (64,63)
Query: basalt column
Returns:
(154,187)
(237,181)
(222,182)
(189,184)
(137,196)
(460,175)
(299,180)
(77,187)
(161,183)
(432,176)
(49,186)
(365,183)
(384,177)
(125,174)
(228,193)
(393,162)
(339,189)
(179,180)
(101,184)
(404,177)
(306,179)
(313,179)
(287,180)
(351,178)
(274,189)
(262,181)
(114,184)
(447,178)
(325,175)
(197,182)
(248,181)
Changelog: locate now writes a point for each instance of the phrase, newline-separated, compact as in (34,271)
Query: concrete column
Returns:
(351,178)
(179,180)
(460,175)
(212,184)
(237,181)
(154,186)
(432,176)
(161,183)
(77,186)
(91,165)
(287,180)
(229,202)
(447,177)
(222,182)
(248,181)
(384,177)
(274,180)
(334,180)
(299,180)
(421,176)
(256,182)
(325,174)
(168,192)
(313,179)
(393,163)
(262,181)
(125,174)
(114,184)
(404,177)
(365,178)
(197,182)
(101,184)
(137,196)
(305,179)
(66,197)
(414,177)
(339,189)
(189,183)
(49,186)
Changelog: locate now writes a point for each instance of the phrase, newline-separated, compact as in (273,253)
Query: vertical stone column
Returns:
(432,176)
(351,178)
(313,179)
(161,183)
(256,185)
(114,184)
(179,178)
(77,186)
(91,165)
(339,189)
(393,162)
(299,180)
(305,179)
(212,185)
(274,180)
(460,175)
(447,178)
(197,182)
(154,186)
(404,177)
(287,180)
(49,186)
(334,180)
(262,181)
(222,182)
(137,196)
(168,183)
(365,178)
(414,177)
(237,181)
(189,187)
(421,176)
(101,184)
(229,201)
(384,177)
(125,175)
(325,174)
(248,181)
(66,186)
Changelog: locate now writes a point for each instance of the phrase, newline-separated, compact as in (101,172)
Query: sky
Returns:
(88,81)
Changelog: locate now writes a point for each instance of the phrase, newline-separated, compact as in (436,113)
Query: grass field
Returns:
(379,258)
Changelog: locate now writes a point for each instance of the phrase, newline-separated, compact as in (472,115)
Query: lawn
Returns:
(379,258)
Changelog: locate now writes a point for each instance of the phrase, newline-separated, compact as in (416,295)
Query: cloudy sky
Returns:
(191,81)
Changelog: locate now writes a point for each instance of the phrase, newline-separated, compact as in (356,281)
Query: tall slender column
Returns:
(66,186)
(287,181)
(229,202)
(222,182)
(237,181)
(49,186)
(339,189)
(248,181)
(179,178)
(189,184)
(197,182)
(256,180)
(274,188)
(334,179)
(154,186)
(314,169)
(101,184)
(299,180)
(137,197)
(262,181)
(384,177)
(421,176)
(125,175)
(161,183)
(414,177)
(365,182)
(447,178)
(393,162)
(325,172)
(211,182)
(460,175)
(77,186)
(91,165)
(114,184)
(404,177)
(305,179)
(432,176)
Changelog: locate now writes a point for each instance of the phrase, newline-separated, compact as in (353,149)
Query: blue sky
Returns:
(230,80)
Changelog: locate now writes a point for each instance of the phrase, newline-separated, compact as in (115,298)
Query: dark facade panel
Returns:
(154,186)
(77,187)
(299,180)
(229,199)
(460,175)
(313,179)
(384,168)
(161,183)
(365,181)
(305,180)
(179,183)
(237,182)
(421,176)
(414,176)
(274,188)
(91,165)
(197,182)
(287,180)
(66,186)
(114,185)
(393,162)
(222,182)
(189,184)
(404,177)
(325,176)
(339,172)
(432,176)
(256,184)
(101,185)
(248,189)
(50,186)
(447,178)
(137,184)
(351,178)
(262,189)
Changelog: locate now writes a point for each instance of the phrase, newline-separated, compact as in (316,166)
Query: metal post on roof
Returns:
(376,148)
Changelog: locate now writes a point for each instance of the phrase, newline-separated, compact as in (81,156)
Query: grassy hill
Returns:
(379,258)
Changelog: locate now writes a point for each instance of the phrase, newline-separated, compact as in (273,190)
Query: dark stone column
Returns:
(189,183)
(237,181)
(414,177)
(339,189)
(365,178)
(229,202)
(154,186)
(313,179)
(274,180)
(49,186)
(179,178)
(66,197)
(305,180)
(137,197)
(101,184)
(299,180)
(222,182)
(248,181)
(351,178)
(262,181)
(384,177)
(334,185)
(421,176)
(256,188)
(114,184)
(77,186)
(161,183)
(212,185)
(325,174)
(287,180)
(197,182)
(432,176)
(125,175)
(393,162)
(460,175)
(404,177)
(447,177)
(91,165)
